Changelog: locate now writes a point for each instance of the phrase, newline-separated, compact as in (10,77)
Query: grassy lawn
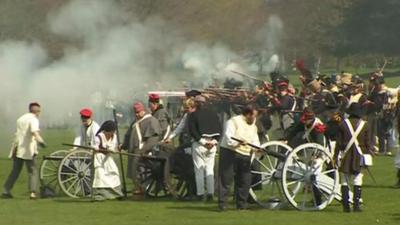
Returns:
(381,204)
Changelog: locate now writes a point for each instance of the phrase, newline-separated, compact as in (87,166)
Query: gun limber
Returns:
(268,151)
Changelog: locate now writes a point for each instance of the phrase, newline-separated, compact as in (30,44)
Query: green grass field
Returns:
(382,204)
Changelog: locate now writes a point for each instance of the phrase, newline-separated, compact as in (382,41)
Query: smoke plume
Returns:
(111,58)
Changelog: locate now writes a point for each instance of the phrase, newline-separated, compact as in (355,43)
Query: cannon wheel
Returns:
(266,175)
(48,173)
(151,176)
(179,186)
(156,178)
(75,173)
(309,178)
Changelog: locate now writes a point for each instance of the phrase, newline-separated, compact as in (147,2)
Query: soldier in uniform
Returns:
(88,129)
(322,102)
(357,93)
(158,111)
(285,103)
(352,144)
(308,129)
(140,138)
(380,115)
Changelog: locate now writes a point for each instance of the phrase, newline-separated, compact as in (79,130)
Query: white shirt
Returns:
(180,128)
(87,135)
(238,128)
(25,141)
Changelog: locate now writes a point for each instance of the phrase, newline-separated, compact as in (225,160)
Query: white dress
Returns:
(106,173)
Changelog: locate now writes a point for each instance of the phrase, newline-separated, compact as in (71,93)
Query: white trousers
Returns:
(357,179)
(397,160)
(204,160)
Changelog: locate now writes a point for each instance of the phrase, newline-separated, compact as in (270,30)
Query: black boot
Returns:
(317,196)
(356,199)
(345,198)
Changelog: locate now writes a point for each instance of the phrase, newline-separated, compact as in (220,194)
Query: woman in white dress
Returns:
(106,181)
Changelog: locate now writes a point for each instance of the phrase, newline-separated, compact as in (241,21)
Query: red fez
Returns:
(154,98)
(138,107)
(86,112)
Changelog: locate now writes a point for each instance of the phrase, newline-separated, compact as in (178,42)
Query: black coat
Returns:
(203,121)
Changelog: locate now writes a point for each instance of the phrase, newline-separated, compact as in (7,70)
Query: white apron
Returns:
(106,174)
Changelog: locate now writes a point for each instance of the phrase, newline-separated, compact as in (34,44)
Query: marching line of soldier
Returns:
(339,112)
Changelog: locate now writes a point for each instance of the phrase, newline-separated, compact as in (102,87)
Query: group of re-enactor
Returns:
(339,112)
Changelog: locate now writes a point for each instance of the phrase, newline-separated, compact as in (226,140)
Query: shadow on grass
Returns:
(72,200)
(128,199)
(198,207)
(395,216)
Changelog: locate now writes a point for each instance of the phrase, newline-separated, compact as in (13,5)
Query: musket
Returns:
(246,75)
(291,111)
(226,89)
(306,99)
(121,161)
(383,67)
(268,151)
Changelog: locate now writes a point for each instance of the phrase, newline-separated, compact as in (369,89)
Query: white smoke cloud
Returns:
(110,56)
(115,57)
(269,38)
(210,62)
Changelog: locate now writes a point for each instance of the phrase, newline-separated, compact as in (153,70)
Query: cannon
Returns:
(304,177)
(70,173)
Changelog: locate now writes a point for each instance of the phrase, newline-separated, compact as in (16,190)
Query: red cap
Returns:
(138,107)
(154,98)
(86,112)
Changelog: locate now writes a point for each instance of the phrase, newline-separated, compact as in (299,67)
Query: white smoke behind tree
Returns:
(110,55)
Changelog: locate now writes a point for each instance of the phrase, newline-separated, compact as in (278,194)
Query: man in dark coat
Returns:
(380,120)
(285,103)
(205,129)
(322,102)
(352,143)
